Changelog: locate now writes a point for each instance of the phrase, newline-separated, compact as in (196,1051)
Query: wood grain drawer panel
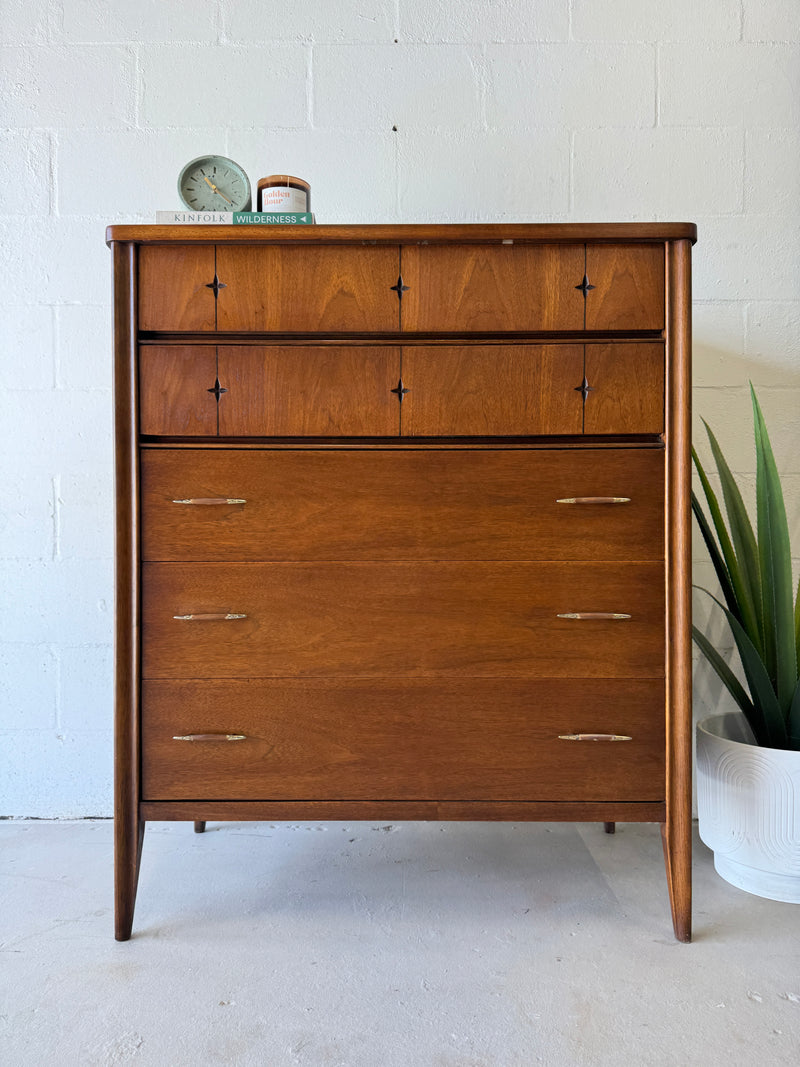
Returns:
(390,504)
(422,619)
(627,383)
(173,291)
(628,287)
(291,391)
(492,390)
(492,288)
(174,396)
(357,740)
(302,288)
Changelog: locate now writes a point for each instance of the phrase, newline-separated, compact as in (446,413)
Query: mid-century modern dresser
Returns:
(403,527)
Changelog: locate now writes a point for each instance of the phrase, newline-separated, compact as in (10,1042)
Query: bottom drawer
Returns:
(382,739)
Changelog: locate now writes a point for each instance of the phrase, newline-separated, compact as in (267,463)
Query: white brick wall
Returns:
(397,111)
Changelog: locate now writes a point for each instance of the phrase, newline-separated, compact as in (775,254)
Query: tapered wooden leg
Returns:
(610,827)
(678,862)
(127,857)
(199,826)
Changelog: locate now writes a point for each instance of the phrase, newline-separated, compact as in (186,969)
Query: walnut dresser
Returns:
(403,527)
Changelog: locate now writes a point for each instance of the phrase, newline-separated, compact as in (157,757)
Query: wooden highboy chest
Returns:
(403,527)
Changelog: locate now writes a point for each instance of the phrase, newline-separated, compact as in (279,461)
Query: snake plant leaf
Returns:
(793,722)
(714,552)
(797,623)
(726,675)
(775,560)
(744,604)
(744,540)
(769,724)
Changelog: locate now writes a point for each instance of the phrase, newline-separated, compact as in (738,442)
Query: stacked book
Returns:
(234,218)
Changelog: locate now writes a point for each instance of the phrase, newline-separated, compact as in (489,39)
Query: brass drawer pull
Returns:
(211,500)
(592,615)
(210,737)
(594,737)
(214,617)
(594,500)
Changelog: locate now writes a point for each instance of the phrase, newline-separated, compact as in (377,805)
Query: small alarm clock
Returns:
(214,183)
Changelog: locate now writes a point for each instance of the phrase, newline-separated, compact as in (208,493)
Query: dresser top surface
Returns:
(460,233)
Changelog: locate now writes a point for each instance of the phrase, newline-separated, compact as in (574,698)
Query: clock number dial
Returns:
(214,183)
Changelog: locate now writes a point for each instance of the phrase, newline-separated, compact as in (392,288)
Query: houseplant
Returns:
(748,761)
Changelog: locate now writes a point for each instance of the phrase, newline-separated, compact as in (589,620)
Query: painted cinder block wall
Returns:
(395,111)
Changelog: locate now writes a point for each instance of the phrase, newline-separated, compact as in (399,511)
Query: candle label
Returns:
(283,198)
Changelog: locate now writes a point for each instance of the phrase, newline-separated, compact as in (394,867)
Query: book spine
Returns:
(233,218)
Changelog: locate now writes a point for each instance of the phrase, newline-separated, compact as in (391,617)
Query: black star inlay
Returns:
(584,286)
(584,389)
(217,390)
(400,391)
(399,288)
(216,285)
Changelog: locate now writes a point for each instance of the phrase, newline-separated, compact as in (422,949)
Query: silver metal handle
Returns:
(592,615)
(211,617)
(594,500)
(212,500)
(210,737)
(594,737)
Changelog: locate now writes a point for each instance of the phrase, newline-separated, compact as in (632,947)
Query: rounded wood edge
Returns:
(405,233)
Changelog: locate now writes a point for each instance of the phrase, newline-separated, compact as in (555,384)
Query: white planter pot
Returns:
(748,800)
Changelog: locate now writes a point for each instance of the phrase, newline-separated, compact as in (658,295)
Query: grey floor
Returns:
(415,944)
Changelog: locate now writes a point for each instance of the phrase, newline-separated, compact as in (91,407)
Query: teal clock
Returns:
(214,183)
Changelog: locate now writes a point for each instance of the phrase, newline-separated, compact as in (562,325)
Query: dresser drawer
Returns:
(348,740)
(308,288)
(269,391)
(516,287)
(176,288)
(447,390)
(423,619)
(532,390)
(176,391)
(492,390)
(402,504)
(626,394)
(268,288)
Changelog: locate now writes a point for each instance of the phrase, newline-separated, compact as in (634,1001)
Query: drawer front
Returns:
(493,390)
(530,390)
(269,391)
(492,288)
(351,740)
(628,287)
(627,389)
(306,391)
(176,390)
(176,287)
(395,504)
(421,619)
(308,288)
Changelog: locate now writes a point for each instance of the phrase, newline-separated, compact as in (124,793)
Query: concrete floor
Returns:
(411,945)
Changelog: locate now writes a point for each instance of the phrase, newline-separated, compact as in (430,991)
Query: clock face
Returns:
(214,183)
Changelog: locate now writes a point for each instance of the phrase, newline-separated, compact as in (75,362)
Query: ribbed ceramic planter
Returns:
(748,800)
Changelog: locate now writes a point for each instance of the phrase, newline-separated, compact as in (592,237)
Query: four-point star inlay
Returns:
(217,390)
(399,288)
(584,389)
(400,391)
(216,285)
(584,286)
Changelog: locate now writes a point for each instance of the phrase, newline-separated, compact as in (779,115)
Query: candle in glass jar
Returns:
(284,193)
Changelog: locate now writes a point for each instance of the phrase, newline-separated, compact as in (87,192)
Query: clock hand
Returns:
(216,190)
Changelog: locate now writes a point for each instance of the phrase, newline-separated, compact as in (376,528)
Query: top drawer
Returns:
(472,288)
(268,288)
(495,288)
